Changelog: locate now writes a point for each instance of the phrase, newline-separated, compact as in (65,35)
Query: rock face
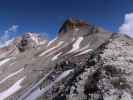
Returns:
(30,40)
(84,62)
(71,24)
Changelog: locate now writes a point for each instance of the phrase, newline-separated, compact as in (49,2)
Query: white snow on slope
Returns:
(14,88)
(56,56)
(50,42)
(34,37)
(63,75)
(76,45)
(34,89)
(4,61)
(35,94)
(52,53)
(11,75)
(49,50)
(84,52)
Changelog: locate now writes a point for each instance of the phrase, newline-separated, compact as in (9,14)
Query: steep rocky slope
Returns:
(83,62)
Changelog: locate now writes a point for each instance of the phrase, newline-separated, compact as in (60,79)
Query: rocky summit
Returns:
(84,62)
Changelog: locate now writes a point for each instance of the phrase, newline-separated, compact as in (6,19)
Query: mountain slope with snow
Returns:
(83,62)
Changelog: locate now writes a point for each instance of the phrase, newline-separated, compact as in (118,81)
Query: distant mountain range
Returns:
(84,62)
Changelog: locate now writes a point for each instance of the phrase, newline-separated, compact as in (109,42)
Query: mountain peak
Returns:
(72,23)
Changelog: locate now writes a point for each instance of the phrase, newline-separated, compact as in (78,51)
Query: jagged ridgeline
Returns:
(84,62)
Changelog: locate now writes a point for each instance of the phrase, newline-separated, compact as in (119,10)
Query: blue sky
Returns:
(46,16)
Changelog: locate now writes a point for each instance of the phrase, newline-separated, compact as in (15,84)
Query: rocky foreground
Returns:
(83,62)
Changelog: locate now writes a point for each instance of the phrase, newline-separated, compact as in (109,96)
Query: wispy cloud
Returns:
(6,43)
(13,28)
(127,26)
(6,39)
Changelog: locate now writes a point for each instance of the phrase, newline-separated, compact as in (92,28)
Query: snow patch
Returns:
(49,50)
(33,95)
(14,88)
(11,75)
(30,94)
(84,52)
(52,53)
(50,42)
(63,75)
(76,45)
(56,56)
(4,61)
(34,37)
(37,93)
(45,52)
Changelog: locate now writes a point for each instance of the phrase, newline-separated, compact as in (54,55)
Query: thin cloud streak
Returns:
(6,39)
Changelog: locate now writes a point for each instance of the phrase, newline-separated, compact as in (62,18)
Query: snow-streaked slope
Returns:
(76,45)
(67,51)
(34,95)
(51,49)
(11,75)
(4,61)
(56,56)
(56,50)
(14,88)
(47,51)
(34,89)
